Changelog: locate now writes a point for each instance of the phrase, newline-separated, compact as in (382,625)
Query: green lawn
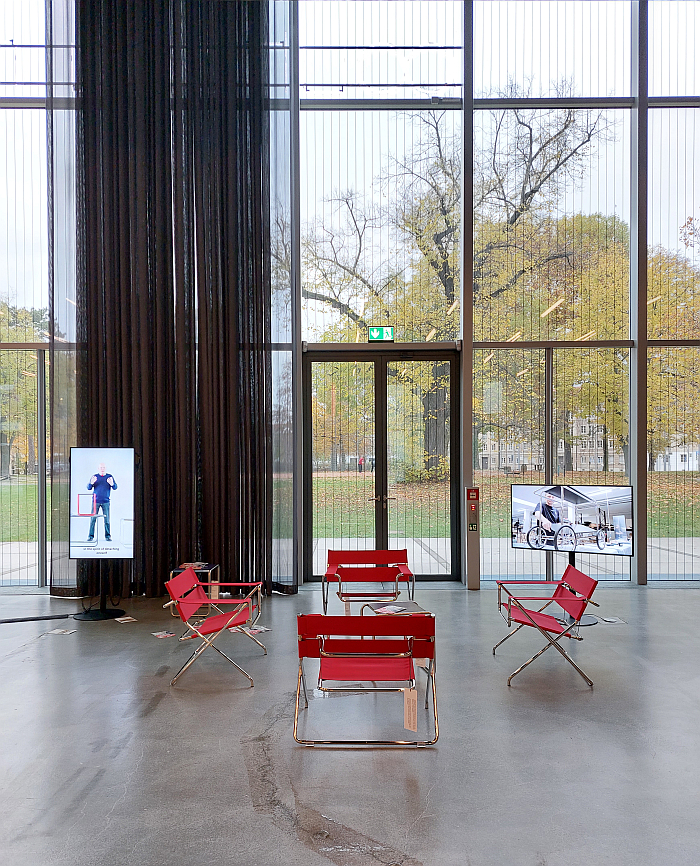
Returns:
(18,508)
(342,508)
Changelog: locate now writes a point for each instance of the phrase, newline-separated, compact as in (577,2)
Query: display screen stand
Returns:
(587,618)
(103,612)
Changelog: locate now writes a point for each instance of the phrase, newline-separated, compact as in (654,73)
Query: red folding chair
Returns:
(368,567)
(366,649)
(188,595)
(572,594)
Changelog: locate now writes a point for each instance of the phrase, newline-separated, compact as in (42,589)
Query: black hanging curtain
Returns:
(174,286)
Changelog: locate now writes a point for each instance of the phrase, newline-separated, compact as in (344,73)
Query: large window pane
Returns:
(508,449)
(673,447)
(419,463)
(19,468)
(380,224)
(674,34)
(23,219)
(551,232)
(380,49)
(551,48)
(22,56)
(674,224)
(342,435)
(591,435)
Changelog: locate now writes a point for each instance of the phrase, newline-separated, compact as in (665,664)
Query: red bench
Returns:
(367,566)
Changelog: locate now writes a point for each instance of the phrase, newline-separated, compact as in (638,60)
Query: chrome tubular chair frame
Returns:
(366,561)
(572,594)
(317,643)
(187,595)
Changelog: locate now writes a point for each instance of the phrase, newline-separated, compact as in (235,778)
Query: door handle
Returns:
(375,499)
(386,498)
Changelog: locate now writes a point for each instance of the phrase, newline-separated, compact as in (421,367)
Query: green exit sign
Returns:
(383,335)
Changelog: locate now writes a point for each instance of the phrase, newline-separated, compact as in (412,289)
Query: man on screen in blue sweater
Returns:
(103,484)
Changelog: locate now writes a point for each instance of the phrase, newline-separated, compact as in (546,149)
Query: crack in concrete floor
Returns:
(273,794)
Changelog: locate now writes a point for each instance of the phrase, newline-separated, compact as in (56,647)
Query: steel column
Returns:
(41,454)
(638,286)
(295,233)
(471,546)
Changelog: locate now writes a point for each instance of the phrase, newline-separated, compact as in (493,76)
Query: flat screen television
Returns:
(101,503)
(581,518)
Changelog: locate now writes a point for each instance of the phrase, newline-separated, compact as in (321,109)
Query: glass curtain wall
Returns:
(37,287)
(554,232)
(282,294)
(556,219)
(24,293)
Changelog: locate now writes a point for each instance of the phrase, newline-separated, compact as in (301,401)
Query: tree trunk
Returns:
(31,456)
(435,425)
(568,456)
(605,448)
(651,455)
(626,455)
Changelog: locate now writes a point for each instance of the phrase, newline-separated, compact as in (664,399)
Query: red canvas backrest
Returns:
(312,626)
(181,584)
(367,557)
(579,582)
(375,573)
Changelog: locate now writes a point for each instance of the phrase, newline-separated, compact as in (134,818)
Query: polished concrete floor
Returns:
(102,762)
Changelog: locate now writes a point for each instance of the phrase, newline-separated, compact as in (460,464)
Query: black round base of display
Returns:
(96,615)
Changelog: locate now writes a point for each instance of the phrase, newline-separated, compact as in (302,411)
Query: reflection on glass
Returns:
(418,416)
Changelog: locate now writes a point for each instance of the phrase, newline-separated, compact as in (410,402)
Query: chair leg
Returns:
(300,682)
(572,662)
(529,661)
(555,644)
(200,649)
(303,682)
(510,634)
(429,671)
(245,674)
(254,639)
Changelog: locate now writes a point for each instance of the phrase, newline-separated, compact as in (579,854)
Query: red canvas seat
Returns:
(347,567)
(188,596)
(366,653)
(572,595)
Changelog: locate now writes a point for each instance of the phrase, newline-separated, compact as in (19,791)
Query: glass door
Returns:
(420,479)
(379,465)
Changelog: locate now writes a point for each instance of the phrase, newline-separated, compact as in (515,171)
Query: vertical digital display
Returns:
(102,503)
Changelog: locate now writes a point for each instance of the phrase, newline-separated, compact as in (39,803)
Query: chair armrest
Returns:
(238,583)
(531,598)
(331,574)
(529,582)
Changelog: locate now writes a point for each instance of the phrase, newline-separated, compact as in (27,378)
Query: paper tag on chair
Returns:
(347,608)
(420,663)
(410,710)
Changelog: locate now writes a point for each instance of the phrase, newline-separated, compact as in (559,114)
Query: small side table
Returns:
(409,607)
(208,570)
